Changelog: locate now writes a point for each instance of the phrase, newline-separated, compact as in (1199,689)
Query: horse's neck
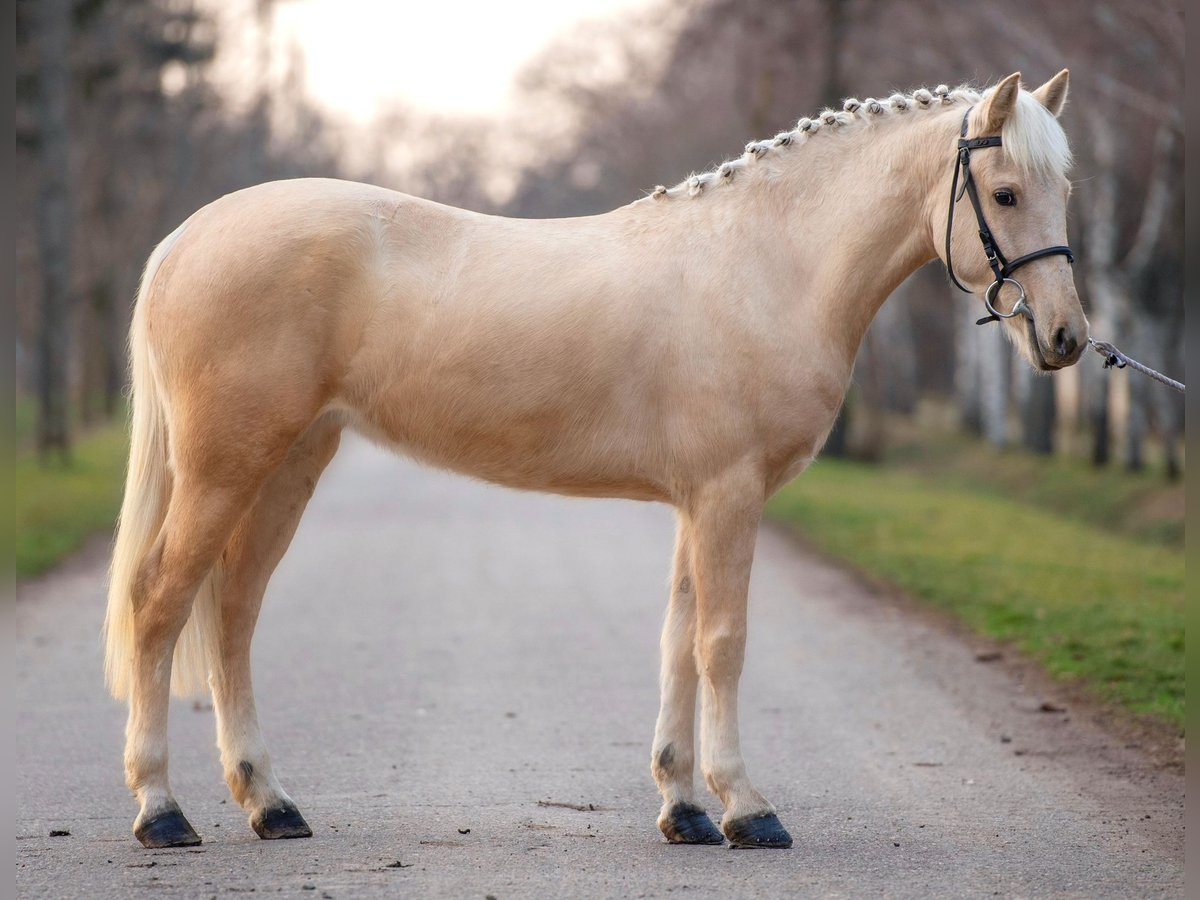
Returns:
(870,228)
(851,214)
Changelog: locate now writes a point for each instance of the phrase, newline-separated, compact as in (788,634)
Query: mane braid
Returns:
(853,111)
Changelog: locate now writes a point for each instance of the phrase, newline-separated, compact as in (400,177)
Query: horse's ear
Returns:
(999,105)
(1053,94)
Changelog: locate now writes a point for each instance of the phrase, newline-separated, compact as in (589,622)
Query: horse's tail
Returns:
(147,495)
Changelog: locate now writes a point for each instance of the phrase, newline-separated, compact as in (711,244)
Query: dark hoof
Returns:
(279,823)
(687,824)
(758,831)
(167,829)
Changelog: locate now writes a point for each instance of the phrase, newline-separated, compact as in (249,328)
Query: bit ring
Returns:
(1020,307)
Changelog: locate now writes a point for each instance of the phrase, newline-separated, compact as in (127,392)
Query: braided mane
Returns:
(1032,138)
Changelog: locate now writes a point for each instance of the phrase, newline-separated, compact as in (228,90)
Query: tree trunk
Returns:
(893,352)
(994,385)
(967,373)
(869,434)
(109,344)
(87,361)
(1038,413)
(1099,416)
(54,228)
(1170,439)
(835,40)
(835,444)
(1135,424)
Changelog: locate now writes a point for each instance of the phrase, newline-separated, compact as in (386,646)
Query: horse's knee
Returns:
(721,653)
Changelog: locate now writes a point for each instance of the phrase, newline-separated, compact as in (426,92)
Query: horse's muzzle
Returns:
(1064,347)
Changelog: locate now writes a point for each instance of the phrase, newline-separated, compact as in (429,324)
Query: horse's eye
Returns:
(1005,198)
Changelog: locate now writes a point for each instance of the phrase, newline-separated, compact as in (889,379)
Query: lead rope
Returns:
(1115,358)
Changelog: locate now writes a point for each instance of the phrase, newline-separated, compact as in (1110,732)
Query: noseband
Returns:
(1001,267)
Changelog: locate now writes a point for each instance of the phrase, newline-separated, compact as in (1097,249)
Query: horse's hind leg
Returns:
(200,516)
(257,545)
(673,757)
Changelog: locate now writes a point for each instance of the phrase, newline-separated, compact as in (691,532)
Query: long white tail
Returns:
(147,495)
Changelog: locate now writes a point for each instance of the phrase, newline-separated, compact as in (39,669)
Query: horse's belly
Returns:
(558,449)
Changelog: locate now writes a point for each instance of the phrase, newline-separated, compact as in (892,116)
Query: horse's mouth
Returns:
(1055,361)
(1035,347)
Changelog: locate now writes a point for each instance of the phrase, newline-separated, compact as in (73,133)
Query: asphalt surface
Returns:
(437,655)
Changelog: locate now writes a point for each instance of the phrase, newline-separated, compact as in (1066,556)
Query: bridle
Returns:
(1001,267)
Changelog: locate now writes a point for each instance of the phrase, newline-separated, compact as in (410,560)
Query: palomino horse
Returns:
(692,347)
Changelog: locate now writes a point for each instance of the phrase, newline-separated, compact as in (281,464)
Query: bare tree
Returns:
(111,155)
(54,227)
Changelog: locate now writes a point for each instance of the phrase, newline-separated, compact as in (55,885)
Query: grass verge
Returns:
(1142,505)
(58,507)
(1086,602)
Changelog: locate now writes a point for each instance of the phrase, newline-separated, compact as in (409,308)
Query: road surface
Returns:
(437,655)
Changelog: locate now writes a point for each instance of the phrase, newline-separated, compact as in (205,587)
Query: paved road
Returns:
(436,655)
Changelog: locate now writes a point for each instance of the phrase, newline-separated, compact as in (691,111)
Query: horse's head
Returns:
(1010,202)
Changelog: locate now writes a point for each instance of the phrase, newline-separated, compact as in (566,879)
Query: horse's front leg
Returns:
(673,758)
(725,519)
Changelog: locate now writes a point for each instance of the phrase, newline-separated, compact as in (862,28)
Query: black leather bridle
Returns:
(1001,267)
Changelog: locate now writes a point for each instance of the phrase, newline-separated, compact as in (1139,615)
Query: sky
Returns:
(444,55)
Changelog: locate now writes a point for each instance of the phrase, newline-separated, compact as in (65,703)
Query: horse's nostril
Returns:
(1064,342)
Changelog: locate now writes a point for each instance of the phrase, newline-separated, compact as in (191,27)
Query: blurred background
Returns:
(131,115)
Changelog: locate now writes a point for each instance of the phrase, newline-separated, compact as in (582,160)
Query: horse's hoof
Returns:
(688,824)
(280,822)
(167,829)
(757,831)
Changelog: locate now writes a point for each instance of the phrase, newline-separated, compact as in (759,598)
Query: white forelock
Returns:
(1033,139)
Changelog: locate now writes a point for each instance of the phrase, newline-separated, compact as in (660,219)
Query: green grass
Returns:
(1084,599)
(1142,505)
(58,507)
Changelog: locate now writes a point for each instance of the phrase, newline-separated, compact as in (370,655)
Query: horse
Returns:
(692,348)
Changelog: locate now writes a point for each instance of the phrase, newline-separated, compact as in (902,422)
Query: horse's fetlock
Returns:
(666,756)
(241,782)
(713,787)
(663,764)
(143,769)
